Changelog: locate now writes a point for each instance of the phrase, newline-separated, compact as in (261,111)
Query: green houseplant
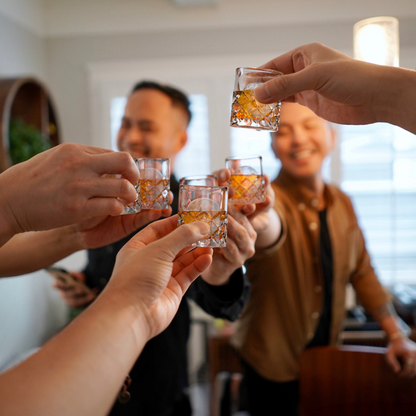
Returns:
(25,141)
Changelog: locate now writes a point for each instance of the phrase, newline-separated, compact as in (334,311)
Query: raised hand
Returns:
(341,89)
(65,185)
(155,268)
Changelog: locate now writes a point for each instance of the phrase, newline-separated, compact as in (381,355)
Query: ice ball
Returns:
(150,173)
(203,204)
(245,170)
(252,85)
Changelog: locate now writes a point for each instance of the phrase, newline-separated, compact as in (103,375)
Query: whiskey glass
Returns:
(246,111)
(208,204)
(246,179)
(135,206)
(199,180)
(154,183)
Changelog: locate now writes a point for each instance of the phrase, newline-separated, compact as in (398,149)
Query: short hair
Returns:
(178,98)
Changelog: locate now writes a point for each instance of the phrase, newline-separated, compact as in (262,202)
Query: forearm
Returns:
(387,318)
(395,98)
(268,235)
(28,252)
(81,370)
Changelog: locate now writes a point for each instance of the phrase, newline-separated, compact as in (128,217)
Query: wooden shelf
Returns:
(28,99)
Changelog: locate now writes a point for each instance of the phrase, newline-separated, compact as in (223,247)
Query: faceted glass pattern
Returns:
(246,111)
(135,206)
(217,221)
(249,189)
(154,194)
(154,183)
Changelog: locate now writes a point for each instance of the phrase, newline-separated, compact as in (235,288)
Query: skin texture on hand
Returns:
(167,276)
(18,257)
(241,238)
(80,371)
(65,185)
(341,89)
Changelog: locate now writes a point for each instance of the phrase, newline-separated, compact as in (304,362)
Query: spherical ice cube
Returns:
(245,170)
(252,85)
(203,204)
(150,173)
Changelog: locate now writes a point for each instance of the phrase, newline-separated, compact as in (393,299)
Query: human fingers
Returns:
(238,223)
(120,163)
(393,362)
(184,260)
(408,365)
(286,86)
(107,187)
(240,239)
(223,175)
(183,236)
(78,301)
(189,273)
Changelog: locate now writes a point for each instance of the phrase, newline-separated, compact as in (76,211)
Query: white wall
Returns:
(30,310)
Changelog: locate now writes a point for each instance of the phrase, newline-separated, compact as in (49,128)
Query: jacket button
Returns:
(313,226)
(315,315)
(301,206)
(318,289)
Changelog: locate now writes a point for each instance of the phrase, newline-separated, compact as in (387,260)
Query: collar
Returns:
(302,194)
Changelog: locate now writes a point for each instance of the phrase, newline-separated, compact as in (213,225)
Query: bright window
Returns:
(194,157)
(379,174)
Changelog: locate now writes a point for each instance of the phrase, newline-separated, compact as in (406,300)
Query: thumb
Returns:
(285,86)
(393,361)
(184,236)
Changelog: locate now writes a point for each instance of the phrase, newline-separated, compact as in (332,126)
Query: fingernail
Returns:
(262,92)
(223,176)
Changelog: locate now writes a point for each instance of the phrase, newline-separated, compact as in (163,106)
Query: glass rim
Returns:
(213,187)
(266,70)
(159,159)
(196,177)
(243,157)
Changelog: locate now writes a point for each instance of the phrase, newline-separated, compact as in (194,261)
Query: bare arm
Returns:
(81,370)
(31,251)
(341,89)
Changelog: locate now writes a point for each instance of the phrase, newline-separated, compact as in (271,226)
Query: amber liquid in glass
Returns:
(246,111)
(217,220)
(249,189)
(154,193)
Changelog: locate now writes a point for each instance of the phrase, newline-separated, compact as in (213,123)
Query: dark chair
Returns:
(353,381)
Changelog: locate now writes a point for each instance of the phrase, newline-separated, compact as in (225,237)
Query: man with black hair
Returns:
(154,125)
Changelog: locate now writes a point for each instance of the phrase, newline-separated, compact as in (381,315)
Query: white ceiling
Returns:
(55,18)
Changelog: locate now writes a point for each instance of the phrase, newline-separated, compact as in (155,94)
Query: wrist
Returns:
(217,279)
(133,311)
(398,335)
(394,99)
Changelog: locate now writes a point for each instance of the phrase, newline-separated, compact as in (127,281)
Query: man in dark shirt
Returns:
(154,125)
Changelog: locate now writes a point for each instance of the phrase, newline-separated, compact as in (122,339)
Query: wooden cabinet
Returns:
(29,100)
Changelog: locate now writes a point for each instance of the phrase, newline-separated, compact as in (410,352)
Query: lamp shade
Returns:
(376,40)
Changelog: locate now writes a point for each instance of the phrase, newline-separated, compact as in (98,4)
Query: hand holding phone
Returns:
(75,293)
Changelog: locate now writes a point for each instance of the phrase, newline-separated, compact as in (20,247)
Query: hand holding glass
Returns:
(246,111)
(247,180)
(154,183)
(208,204)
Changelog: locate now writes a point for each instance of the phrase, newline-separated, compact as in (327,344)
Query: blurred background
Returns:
(90,53)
